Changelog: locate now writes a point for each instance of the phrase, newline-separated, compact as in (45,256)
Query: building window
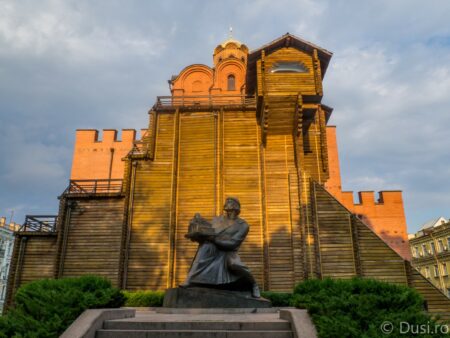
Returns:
(424,249)
(444,269)
(448,242)
(441,245)
(433,248)
(436,271)
(288,67)
(231,82)
(416,251)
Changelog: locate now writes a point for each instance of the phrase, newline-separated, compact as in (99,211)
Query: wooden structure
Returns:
(253,127)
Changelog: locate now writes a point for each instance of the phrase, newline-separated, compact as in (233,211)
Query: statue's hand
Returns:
(210,238)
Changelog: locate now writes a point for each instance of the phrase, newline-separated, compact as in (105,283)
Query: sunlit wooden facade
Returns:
(252,127)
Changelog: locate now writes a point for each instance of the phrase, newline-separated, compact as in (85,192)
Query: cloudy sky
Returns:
(100,64)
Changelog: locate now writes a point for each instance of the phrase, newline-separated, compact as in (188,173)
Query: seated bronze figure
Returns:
(217,263)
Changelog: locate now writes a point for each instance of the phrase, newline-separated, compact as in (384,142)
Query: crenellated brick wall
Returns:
(99,156)
(385,215)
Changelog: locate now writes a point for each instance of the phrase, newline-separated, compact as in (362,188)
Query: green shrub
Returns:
(45,308)
(358,308)
(278,298)
(144,298)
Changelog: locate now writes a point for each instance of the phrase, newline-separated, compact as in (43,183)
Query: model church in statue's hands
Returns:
(252,126)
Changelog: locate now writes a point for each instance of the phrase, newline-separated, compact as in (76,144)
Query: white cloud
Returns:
(70,32)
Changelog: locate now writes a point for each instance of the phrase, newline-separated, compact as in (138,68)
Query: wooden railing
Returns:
(39,223)
(100,186)
(204,101)
(139,148)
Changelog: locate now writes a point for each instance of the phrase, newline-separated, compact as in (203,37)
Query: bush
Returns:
(144,298)
(278,298)
(45,308)
(358,308)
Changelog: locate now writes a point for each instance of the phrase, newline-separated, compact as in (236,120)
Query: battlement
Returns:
(367,198)
(99,155)
(107,135)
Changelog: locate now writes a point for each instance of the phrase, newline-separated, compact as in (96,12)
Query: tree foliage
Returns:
(359,307)
(45,308)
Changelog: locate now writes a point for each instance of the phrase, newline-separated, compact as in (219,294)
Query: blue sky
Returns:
(83,64)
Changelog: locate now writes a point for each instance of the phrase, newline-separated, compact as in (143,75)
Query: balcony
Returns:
(94,187)
(39,223)
(205,102)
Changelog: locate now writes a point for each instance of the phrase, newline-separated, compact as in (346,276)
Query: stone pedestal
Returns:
(197,297)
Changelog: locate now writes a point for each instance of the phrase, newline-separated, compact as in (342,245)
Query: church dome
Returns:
(231,40)
(230,48)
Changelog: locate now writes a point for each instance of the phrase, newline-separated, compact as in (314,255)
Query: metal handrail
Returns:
(98,186)
(204,100)
(39,223)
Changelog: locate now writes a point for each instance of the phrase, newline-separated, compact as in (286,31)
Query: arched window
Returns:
(288,67)
(231,82)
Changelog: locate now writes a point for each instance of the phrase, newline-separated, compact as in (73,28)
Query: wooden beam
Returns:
(323,141)
(265,124)
(174,200)
(152,134)
(266,256)
(129,222)
(14,269)
(316,232)
(317,73)
(355,245)
(64,235)
(298,117)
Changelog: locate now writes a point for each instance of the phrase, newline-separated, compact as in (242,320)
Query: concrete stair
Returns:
(227,325)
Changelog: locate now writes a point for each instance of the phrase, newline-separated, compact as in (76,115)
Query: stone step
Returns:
(277,325)
(226,311)
(104,333)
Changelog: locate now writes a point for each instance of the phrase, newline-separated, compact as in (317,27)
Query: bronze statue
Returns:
(217,263)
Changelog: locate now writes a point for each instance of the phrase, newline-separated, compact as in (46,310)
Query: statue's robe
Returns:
(217,262)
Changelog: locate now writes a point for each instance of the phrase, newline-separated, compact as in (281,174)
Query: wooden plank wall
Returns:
(93,238)
(373,258)
(312,163)
(334,229)
(149,247)
(33,258)
(241,176)
(279,163)
(196,182)
(437,302)
(378,260)
(38,258)
(281,113)
(200,159)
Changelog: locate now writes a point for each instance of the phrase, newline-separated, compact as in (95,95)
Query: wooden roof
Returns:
(287,40)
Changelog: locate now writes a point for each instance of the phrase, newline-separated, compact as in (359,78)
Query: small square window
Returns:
(444,269)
